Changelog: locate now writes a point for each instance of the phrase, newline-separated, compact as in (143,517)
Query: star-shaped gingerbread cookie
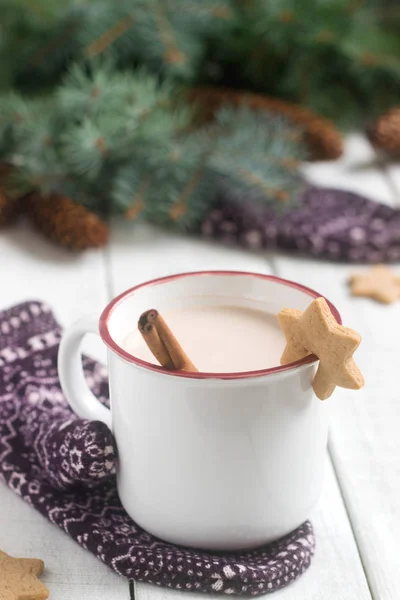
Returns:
(19,578)
(379,283)
(316,331)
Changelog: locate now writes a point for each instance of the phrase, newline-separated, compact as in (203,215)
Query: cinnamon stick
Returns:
(162,342)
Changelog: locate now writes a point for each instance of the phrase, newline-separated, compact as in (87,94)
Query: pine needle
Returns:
(112,34)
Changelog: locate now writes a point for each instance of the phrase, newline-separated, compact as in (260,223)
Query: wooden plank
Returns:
(141,252)
(32,268)
(72,284)
(364,439)
(364,436)
(71,573)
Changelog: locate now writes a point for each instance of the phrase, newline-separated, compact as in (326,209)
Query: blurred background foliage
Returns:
(101,101)
(338,57)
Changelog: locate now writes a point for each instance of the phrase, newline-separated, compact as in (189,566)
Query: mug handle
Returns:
(80,398)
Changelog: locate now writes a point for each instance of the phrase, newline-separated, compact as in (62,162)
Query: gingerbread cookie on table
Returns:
(316,331)
(19,578)
(379,283)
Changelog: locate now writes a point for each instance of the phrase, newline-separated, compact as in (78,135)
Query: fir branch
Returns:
(14,109)
(337,57)
(16,117)
(254,151)
(133,152)
(42,10)
(129,190)
(111,35)
(138,202)
(88,145)
(203,12)
(44,52)
(335,61)
(180,206)
(31,174)
(257,181)
(172,52)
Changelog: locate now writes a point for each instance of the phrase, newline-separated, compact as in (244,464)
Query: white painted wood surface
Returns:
(357,521)
(364,432)
(71,572)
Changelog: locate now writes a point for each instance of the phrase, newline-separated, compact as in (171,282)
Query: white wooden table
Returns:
(357,522)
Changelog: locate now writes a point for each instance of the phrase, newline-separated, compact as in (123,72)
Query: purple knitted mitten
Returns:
(72,451)
(65,450)
(328,223)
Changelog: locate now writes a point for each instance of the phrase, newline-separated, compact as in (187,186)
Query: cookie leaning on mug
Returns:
(19,578)
(316,331)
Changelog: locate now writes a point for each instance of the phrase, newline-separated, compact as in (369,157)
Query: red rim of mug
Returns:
(108,340)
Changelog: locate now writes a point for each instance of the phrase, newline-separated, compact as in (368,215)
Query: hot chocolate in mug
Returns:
(220,461)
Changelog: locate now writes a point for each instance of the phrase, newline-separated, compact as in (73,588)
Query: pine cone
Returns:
(385,133)
(9,209)
(321,136)
(66,223)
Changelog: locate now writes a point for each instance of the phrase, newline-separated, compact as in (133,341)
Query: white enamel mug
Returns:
(215,461)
